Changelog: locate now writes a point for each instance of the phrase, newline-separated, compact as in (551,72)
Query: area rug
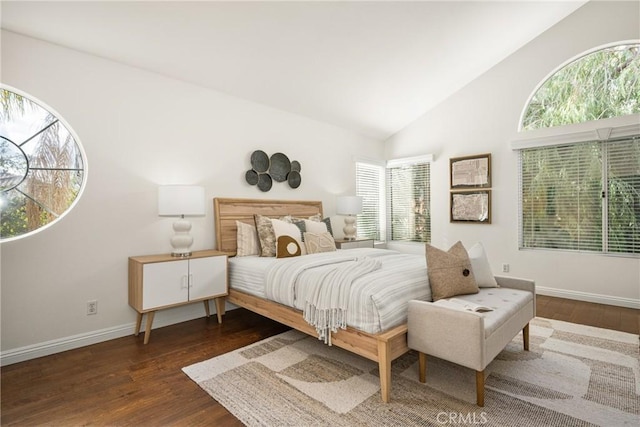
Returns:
(574,375)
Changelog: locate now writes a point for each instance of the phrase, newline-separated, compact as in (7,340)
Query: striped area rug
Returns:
(574,375)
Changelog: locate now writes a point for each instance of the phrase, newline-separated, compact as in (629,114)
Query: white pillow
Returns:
(247,240)
(315,226)
(481,268)
(282,228)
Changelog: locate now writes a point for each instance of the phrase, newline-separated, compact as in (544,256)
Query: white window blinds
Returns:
(370,185)
(581,196)
(409,195)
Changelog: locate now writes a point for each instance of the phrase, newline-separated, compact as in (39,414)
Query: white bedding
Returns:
(377,300)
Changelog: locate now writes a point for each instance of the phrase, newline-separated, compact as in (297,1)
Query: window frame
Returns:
(384,202)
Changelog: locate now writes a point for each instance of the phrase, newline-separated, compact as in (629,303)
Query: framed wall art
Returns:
(471,206)
(470,172)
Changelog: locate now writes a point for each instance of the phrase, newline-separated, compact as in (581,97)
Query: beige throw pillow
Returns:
(319,242)
(450,273)
(247,240)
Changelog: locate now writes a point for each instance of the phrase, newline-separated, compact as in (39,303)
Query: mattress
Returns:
(378,300)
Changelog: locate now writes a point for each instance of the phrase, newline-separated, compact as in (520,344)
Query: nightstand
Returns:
(351,244)
(161,281)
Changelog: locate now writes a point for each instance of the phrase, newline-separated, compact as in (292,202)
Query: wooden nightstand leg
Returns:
(138,324)
(220,308)
(206,307)
(147,331)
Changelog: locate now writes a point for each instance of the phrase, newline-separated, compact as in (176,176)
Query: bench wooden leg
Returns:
(525,337)
(422,367)
(480,388)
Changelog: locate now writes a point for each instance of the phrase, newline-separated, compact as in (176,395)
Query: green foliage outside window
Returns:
(601,85)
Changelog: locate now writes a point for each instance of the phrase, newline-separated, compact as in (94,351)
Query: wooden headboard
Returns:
(227,211)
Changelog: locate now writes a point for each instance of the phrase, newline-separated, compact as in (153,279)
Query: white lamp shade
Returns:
(349,205)
(178,200)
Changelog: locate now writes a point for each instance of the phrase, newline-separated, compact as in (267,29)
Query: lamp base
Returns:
(181,254)
(349,227)
(181,240)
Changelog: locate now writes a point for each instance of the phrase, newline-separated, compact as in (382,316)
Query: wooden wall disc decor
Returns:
(294,179)
(264,170)
(264,182)
(279,167)
(259,161)
(251,176)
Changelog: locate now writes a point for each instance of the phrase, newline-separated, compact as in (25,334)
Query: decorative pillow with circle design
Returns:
(284,228)
(450,273)
(287,247)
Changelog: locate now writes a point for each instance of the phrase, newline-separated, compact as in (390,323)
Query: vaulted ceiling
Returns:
(371,67)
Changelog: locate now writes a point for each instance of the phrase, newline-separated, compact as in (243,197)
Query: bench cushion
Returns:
(505,303)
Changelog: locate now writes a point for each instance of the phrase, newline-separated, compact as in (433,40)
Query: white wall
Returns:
(140,130)
(483,118)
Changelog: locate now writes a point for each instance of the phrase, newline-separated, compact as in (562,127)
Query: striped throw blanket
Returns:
(325,287)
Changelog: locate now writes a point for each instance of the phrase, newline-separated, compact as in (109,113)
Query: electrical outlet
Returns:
(505,268)
(92,307)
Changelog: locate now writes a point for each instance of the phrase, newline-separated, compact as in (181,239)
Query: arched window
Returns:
(580,156)
(599,85)
(42,166)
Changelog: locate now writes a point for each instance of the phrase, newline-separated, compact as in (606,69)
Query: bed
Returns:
(382,347)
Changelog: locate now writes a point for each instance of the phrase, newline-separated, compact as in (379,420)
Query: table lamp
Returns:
(181,201)
(349,206)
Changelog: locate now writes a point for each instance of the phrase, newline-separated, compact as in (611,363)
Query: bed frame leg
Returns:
(384,366)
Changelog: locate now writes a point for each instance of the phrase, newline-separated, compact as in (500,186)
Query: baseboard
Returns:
(63,344)
(589,297)
(162,318)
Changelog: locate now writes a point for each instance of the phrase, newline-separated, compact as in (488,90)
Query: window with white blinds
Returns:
(395,199)
(370,185)
(408,195)
(581,196)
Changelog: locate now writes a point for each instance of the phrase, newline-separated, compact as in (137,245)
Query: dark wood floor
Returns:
(124,382)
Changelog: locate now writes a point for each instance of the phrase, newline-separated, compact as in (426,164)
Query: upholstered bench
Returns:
(468,338)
